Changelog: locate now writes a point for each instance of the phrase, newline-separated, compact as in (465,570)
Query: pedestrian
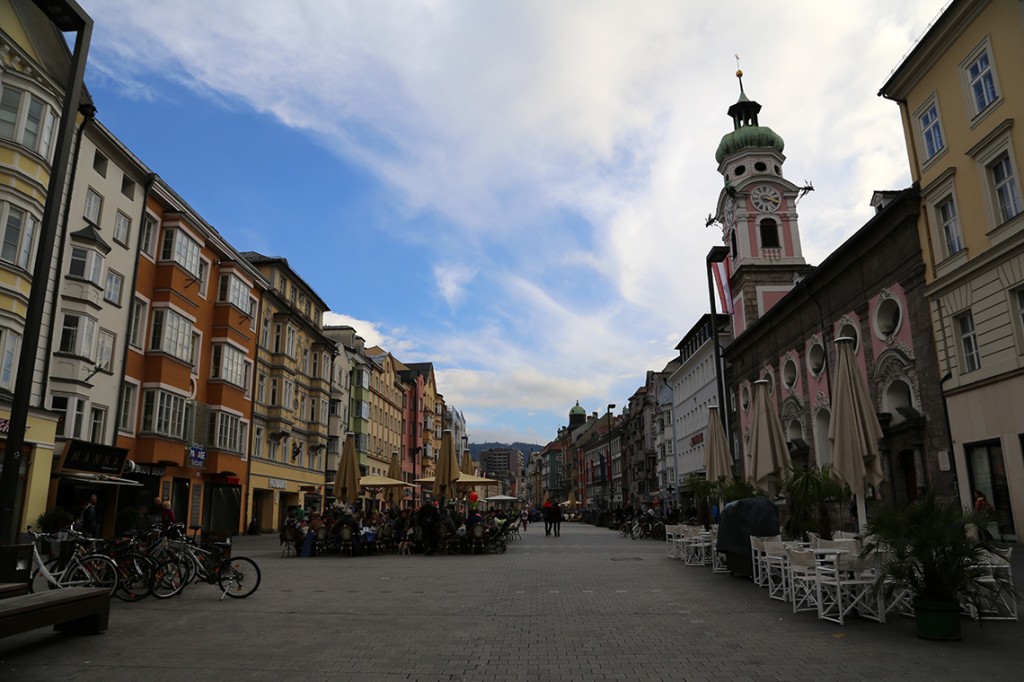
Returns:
(524,517)
(556,519)
(167,517)
(546,511)
(156,511)
(88,520)
(428,517)
(983,506)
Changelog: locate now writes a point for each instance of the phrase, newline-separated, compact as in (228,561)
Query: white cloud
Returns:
(569,145)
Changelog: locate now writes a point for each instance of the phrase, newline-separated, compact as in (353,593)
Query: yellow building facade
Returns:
(960,97)
(291,404)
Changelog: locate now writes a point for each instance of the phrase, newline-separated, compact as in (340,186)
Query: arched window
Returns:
(769,234)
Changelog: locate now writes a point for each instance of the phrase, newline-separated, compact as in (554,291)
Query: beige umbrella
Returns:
(467,463)
(447,472)
(769,455)
(346,482)
(717,462)
(571,501)
(395,471)
(470,481)
(853,430)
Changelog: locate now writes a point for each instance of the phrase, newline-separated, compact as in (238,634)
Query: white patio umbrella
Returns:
(717,462)
(853,430)
(769,455)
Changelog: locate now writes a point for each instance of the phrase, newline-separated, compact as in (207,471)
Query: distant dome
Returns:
(577,410)
(747,137)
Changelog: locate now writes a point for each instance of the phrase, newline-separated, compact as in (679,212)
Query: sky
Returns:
(516,191)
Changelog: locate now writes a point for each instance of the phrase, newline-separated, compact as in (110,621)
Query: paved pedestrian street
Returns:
(586,606)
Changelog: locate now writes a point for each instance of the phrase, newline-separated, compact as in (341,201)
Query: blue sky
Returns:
(513,190)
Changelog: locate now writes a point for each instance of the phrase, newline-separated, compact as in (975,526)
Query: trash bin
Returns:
(15,563)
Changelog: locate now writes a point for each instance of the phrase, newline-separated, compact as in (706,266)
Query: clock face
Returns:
(766,198)
(730,212)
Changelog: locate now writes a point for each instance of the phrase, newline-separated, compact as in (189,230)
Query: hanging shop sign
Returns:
(94,457)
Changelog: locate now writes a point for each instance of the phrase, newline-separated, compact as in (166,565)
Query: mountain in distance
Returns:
(526,448)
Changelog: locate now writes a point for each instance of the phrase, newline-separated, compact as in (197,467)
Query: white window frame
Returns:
(261,388)
(148,233)
(234,290)
(93,209)
(231,364)
(113,288)
(929,129)
(78,335)
(137,319)
(92,265)
(97,423)
(949,226)
(291,343)
(1005,193)
(10,346)
(106,349)
(20,119)
(967,342)
(74,410)
(122,228)
(257,441)
(986,154)
(179,247)
(979,106)
(167,414)
(172,334)
(128,402)
(230,431)
(18,239)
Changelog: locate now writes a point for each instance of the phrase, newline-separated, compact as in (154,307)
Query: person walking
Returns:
(89,520)
(546,511)
(524,517)
(556,519)
(428,518)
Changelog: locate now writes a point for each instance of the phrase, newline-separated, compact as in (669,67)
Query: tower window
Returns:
(760,166)
(769,234)
(740,170)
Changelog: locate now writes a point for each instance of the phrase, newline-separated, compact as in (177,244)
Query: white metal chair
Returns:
(698,549)
(671,549)
(846,585)
(997,603)
(775,569)
(803,580)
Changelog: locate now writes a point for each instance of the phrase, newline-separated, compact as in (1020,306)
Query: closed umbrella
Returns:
(769,455)
(467,463)
(571,501)
(853,430)
(346,482)
(395,471)
(717,462)
(447,472)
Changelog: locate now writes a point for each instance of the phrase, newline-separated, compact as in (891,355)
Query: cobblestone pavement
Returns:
(588,605)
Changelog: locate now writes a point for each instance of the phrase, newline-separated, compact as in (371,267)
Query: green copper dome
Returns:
(747,137)
(577,410)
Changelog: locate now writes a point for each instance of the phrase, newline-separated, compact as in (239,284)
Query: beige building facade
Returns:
(960,95)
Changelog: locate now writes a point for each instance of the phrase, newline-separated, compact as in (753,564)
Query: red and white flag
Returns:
(722,274)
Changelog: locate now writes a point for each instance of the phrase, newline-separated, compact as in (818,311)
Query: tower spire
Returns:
(739,75)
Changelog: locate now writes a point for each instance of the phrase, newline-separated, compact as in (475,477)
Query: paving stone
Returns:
(549,609)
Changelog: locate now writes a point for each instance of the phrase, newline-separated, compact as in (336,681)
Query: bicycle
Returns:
(238,577)
(79,569)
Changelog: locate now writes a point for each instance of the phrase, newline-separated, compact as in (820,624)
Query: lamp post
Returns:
(611,406)
(68,17)
(717,254)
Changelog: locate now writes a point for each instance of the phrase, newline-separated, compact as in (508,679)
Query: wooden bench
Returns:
(12,589)
(71,609)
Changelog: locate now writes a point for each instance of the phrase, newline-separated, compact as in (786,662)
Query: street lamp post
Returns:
(611,406)
(717,254)
(68,17)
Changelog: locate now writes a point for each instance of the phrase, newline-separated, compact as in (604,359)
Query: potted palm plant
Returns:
(931,549)
(810,491)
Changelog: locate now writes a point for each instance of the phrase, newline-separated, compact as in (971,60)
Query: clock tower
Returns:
(757,212)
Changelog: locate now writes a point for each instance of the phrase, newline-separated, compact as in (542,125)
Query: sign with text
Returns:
(197,456)
(94,457)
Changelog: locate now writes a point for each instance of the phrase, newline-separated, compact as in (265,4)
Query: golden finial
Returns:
(739,73)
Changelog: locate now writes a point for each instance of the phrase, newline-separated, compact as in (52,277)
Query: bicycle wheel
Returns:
(169,578)
(92,570)
(239,577)
(623,530)
(638,531)
(500,546)
(135,576)
(53,566)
